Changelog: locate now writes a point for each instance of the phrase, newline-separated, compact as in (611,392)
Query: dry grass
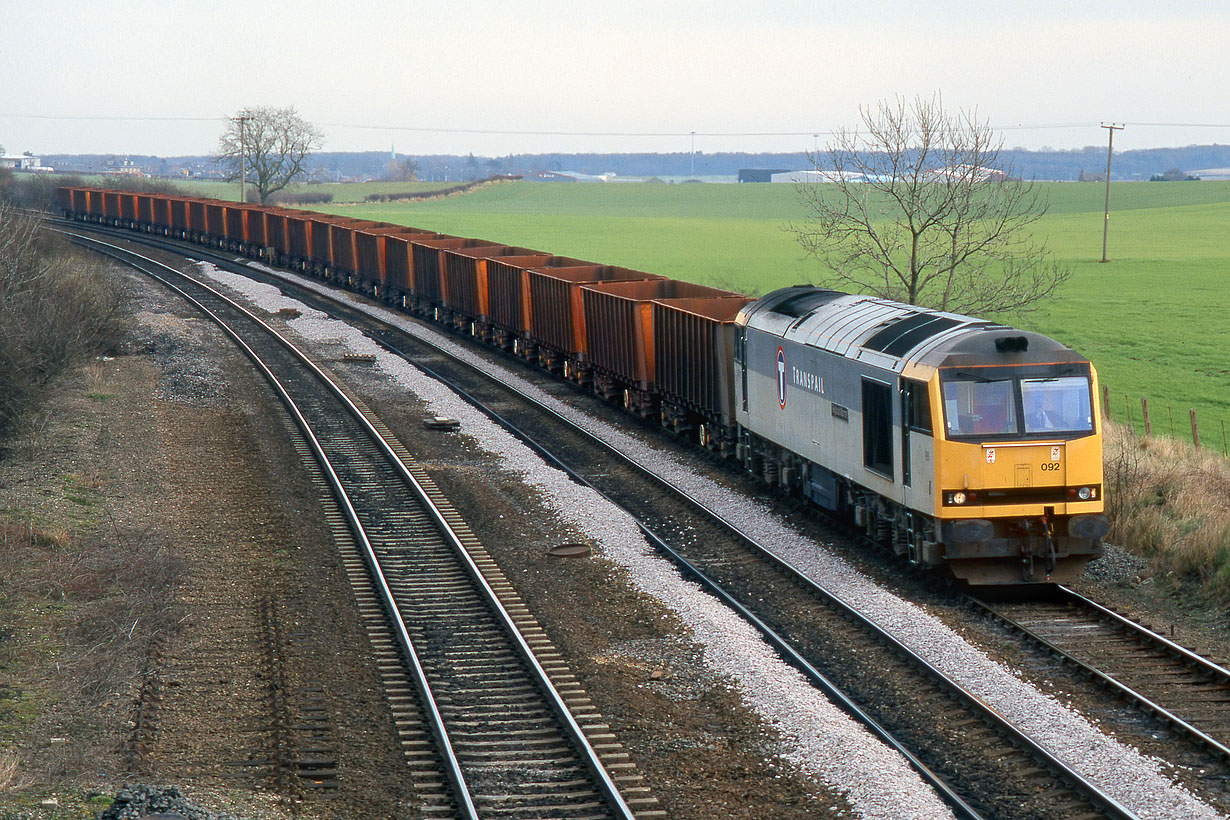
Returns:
(1171,504)
(86,613)
(8,771)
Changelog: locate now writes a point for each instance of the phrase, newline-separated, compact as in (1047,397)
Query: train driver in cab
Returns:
(1043,414)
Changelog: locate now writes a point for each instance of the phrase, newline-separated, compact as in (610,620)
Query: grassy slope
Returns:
(342,191)
(1152,320)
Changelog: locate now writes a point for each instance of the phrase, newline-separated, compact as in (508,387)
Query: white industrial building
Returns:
(816,176)
(22,162)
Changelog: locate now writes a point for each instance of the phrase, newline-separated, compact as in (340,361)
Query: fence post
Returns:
(1144,411)
(1170,412)
(1128,404)
(1195,431)
(1224,450)
(1106,402)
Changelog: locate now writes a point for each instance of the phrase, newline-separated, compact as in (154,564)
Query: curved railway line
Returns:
(946,732)
(508,730)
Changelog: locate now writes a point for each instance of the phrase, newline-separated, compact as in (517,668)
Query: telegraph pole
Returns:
(243,160)
(692,173)
(1110,142)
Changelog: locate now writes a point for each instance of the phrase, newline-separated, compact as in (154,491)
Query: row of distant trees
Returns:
(914,205)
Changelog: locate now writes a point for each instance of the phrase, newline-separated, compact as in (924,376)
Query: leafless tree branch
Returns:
(276,143)
(914,207)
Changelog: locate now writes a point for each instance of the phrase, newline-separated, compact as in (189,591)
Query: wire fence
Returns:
(1211,437)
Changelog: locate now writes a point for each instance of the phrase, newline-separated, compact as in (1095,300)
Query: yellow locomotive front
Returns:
(1018,469)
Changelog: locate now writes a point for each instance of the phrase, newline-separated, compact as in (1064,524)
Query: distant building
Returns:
(1212,173)
(816,176)
(22,162)
(1091,177)
(127,168)
(978,174)
(760,174)
(571,176)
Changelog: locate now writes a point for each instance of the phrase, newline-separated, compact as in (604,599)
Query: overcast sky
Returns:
(506,76)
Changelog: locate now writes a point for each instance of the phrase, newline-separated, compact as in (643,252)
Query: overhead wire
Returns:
(565,133)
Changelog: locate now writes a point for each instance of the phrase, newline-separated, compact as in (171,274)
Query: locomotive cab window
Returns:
(916,406)
(980,407)
(1057,405)
(1031,405)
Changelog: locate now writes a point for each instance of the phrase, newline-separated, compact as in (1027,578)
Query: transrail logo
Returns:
(808,381)
(781,378)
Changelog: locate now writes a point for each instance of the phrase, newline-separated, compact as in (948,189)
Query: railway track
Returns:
(1185,691)
(983,765)
(509,732)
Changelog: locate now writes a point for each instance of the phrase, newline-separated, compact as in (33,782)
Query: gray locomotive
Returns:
(926,429)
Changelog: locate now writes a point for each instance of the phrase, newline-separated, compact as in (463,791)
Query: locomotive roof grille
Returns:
(1012,344)
(801,304)
(906,333)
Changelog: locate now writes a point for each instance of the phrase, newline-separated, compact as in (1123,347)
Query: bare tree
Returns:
(916,209)
(401,170)
(274,143)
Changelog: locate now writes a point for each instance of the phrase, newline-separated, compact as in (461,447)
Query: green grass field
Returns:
(1153,319)
(341,191)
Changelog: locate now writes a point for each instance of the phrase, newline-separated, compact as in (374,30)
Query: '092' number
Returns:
(1050,466)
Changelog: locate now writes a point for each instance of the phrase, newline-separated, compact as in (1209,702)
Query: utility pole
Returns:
(243,160)
(692,173)
(1110,142)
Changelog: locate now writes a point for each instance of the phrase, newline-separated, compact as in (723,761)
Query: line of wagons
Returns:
(929,430)
(655,344)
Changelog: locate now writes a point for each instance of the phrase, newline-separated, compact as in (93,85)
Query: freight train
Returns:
(960,443)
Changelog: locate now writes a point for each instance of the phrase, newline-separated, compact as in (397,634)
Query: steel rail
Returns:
(1095,795)
(1191,657)
(588,754)
(1125,691)
(453,768)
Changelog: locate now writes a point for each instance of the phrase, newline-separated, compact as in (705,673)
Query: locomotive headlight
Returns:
(958,498)
(1085,493)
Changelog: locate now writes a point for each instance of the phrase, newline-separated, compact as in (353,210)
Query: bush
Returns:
(1170,503)
(310,198)
(435,192)
(56,308)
